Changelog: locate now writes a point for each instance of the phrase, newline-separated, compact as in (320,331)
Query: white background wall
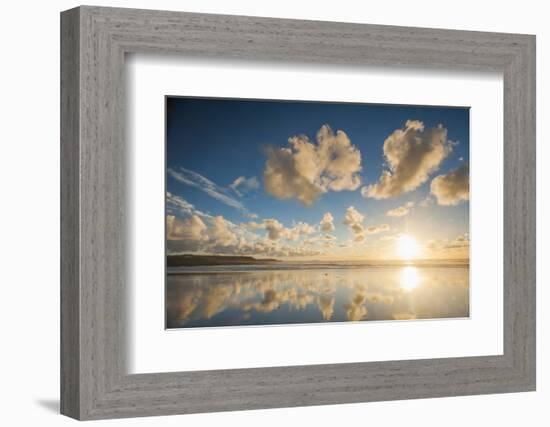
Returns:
(29,214)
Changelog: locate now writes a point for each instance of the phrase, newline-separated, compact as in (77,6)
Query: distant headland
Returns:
(189,260)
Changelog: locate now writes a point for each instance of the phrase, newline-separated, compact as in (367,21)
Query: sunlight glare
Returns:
(407,247)
(409,278)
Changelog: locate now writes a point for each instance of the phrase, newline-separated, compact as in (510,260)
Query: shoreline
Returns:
(235,268)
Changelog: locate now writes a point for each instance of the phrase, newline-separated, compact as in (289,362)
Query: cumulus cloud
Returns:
(217,235)
(192,228)
(401,210)
(253,225)
(298,230)
(412,154)
(327,223)
(452,188)
(243,185)
(220,233)
(195,233)
(273,248)
(354,220)
(306,169)
(276,230)
(186,226)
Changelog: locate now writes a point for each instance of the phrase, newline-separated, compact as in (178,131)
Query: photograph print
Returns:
(296,212)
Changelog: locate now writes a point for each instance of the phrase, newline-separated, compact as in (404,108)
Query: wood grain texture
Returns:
(70,314)
(94,382)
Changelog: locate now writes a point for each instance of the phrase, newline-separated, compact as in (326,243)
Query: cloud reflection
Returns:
(355,310)
(326,305)
(198,299)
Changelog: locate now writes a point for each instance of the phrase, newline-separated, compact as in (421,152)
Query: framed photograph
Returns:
(265,233)
(263,213)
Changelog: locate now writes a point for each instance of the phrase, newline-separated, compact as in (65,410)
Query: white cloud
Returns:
(401,210)
(217,235)
(375,229)
(427,202)
(196,180)
(243,185)
(391,237)
(253,225)
(354,220)
(192,228)
(220,234)
(182,205)
(327,240)
(452,188)
(276,230)
(412,154)
(179,202)
(461,241)
(457,247)
(306,169)
(327,223)
(275,248)
(301,229)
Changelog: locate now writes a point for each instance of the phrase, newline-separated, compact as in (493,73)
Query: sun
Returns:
(407,247)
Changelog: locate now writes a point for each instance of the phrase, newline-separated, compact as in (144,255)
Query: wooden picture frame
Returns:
(94,382)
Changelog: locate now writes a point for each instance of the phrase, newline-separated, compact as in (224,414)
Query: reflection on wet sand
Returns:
(260,297)
(409,278)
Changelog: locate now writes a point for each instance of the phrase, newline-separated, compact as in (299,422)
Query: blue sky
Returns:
(221,140)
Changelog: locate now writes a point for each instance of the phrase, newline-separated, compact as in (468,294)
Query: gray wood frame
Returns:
(94,382)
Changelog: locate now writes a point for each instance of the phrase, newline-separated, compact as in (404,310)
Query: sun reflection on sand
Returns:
(410,278)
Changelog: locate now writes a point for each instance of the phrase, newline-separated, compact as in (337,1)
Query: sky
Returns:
(316,180)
